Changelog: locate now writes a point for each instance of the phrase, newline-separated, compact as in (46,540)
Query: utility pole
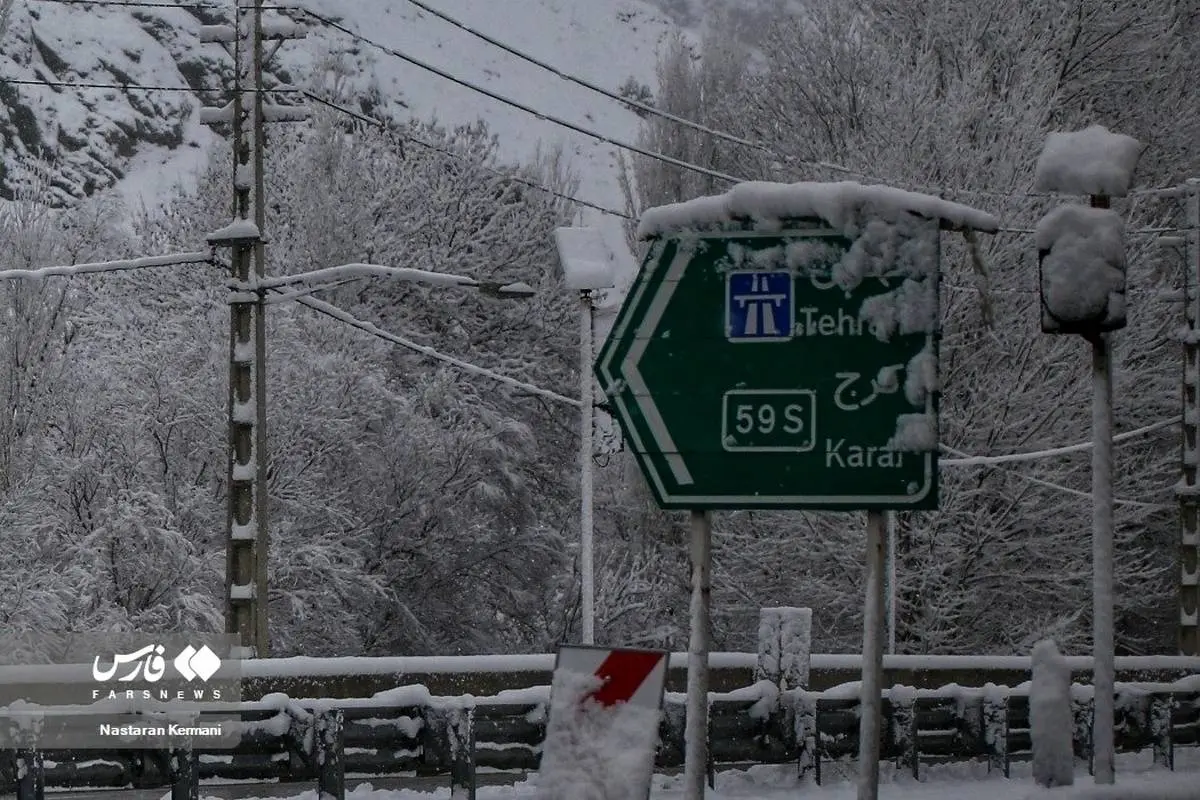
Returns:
(247,532)
(1104,665)
(587,567)
(1071,163)
(1187,489)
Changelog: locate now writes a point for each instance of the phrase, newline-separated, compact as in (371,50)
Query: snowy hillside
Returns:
(146,140)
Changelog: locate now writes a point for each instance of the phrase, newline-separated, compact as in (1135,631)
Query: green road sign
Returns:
(743,375)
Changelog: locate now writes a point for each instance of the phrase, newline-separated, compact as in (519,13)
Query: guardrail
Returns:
(486,675)
(407,730)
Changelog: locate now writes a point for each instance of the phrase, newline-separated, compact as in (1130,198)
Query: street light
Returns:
(507,291)
(587,266)
(333,276)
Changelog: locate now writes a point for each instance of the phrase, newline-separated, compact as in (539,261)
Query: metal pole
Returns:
(696,721)
(892,590)
(1104,666)
(587,578)
(871,697)
(1189,511)
(1104,669)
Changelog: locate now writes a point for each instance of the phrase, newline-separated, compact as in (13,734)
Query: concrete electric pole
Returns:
(247,537)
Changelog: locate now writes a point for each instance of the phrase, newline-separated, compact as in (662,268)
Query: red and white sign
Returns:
(602,731)
(627,676)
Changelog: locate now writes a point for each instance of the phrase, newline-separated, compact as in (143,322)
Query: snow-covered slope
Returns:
(146,139)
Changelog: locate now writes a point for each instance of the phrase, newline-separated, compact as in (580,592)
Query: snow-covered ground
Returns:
(951,782)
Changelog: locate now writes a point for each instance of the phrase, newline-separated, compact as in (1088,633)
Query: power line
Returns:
(522,181)
(525,108)
(89,85)
(649,109)
(1138,232)
(459,156)
(330,310)
(653,110)
(708,130)
(128,86)
(965,460)
(828,165)
(133,3)
(152,4)
(1066,489)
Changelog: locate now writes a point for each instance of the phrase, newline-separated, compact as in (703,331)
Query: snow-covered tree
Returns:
(456,544)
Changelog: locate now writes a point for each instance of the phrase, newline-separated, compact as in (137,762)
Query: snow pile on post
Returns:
(1083,264)
(1050,720)
(795,647)
(1092,161)
(784,647)
(237,232)
(593,752)
(587,263)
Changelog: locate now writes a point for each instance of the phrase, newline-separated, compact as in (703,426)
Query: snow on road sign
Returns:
(770,369)
(605,706)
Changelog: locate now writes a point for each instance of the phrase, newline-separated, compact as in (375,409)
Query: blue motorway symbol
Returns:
(758,306)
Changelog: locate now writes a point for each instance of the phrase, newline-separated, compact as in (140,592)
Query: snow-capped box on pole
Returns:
(587,267)
(1081,281)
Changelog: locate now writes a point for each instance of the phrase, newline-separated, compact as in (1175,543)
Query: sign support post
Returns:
(696,730)
(893,591)
(871,696)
